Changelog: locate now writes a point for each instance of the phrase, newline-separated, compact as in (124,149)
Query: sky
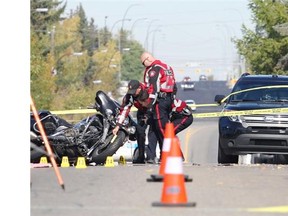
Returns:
(193,36)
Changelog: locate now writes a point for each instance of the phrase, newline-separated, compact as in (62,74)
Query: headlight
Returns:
(235,118)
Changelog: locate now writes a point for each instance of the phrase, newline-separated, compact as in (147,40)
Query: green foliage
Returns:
(131,67)
(44,14)
(265,48)
(71,58)
(41,84)
(107,66)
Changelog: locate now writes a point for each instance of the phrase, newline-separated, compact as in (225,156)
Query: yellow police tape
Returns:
(204,115)
(242,112)
(195,115)
(252,89)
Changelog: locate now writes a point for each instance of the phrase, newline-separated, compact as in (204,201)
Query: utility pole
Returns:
(53,41)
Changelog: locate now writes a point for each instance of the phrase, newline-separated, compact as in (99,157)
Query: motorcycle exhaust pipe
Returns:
(33,136)
(57,138)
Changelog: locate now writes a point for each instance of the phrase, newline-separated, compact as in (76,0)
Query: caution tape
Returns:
(242,112)
(252,89)
(78,111)
(195,115)
(204,115)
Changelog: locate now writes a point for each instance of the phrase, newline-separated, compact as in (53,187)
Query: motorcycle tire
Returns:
(99,155)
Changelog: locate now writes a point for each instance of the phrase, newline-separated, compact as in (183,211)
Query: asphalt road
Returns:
(255,189)
(123,190)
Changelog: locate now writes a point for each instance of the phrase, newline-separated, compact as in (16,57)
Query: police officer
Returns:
(136,91)
(160,81)
(181,117)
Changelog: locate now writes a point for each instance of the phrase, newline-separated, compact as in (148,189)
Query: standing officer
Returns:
(160,81)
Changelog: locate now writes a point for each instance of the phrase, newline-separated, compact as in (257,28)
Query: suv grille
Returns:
(268,142)
(265,119)
(266,124)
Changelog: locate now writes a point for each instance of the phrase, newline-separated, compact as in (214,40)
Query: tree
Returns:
(131,67)
(71,58)
(44,13)
(265,48)
(41,82)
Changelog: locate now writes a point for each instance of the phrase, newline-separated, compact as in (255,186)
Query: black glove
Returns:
(187,111)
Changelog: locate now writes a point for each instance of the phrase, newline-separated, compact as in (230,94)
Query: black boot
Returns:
(141,146)
(138,161)
(141,158)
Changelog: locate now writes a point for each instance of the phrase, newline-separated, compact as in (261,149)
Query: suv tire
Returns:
(224,158)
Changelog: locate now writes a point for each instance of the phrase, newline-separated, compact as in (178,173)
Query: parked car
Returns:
(187,84)
(191,103)
(261,134)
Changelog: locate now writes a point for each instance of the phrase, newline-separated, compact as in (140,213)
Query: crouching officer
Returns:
(136,91)
(181,115)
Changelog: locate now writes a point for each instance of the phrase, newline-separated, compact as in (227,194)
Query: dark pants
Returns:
(152,144)
(160,112)
(181,122)
(140,134)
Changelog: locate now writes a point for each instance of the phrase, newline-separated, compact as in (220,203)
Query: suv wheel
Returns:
(225,159)
(281,159)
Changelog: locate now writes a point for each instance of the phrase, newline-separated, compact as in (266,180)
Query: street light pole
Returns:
(135,23)
(126,14)
(119,43)
(153,39)
(147,33)
(53,40)
(122,27)
(121,20)
(54,69)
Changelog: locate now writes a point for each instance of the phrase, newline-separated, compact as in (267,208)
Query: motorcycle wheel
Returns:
(99,154)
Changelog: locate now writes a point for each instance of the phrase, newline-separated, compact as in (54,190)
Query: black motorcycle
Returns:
(91,138)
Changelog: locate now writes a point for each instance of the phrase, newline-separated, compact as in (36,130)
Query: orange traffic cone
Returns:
(168,137)
(174,191)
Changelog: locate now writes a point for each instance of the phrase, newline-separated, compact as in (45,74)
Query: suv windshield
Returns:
(264,94)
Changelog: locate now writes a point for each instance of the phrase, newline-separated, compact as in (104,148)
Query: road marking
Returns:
(189,133)
(274,209)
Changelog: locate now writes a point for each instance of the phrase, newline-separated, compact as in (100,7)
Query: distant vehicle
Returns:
(191,103)
(187,84)
(203,78)
(186,79)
